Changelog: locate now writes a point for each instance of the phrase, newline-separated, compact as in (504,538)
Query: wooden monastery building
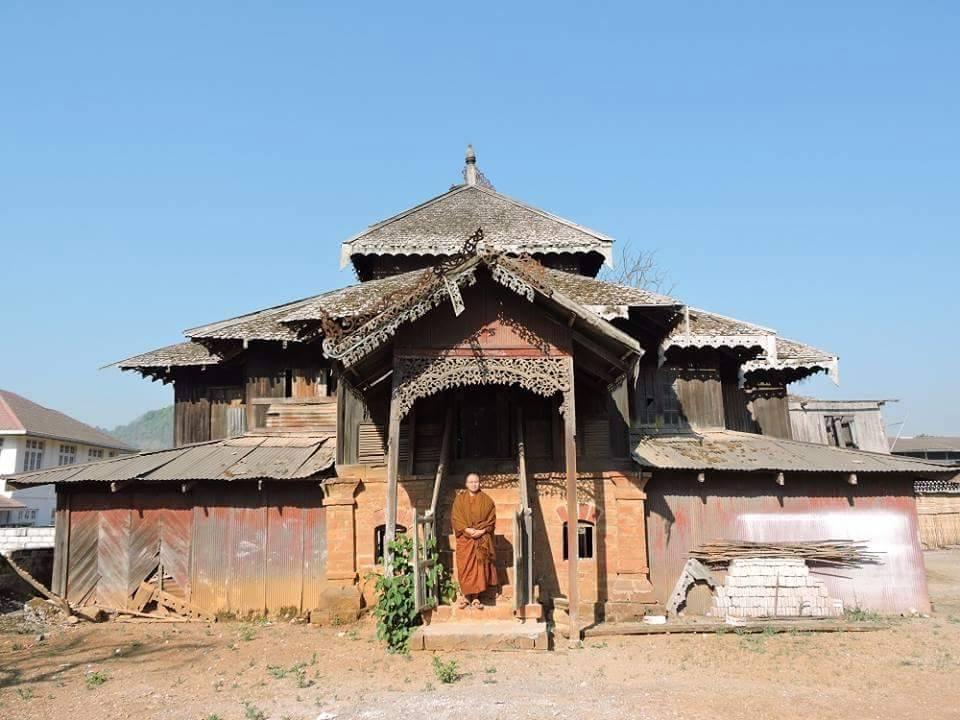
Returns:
(615,428)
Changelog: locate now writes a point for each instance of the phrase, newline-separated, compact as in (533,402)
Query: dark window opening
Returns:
(379,540)
(840,431)
(584,541)
(288,383)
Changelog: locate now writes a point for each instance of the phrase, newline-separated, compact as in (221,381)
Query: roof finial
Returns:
(470,171)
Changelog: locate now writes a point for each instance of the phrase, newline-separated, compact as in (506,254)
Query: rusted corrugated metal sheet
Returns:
(243,550)
(284,560)
(728,450)
(682,513)
(252,457)
(82,570)
(314,552)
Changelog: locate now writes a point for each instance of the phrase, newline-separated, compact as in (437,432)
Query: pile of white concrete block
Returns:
(25,538)
(773,588)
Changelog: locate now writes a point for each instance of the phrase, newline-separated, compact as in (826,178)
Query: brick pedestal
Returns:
(629,583)
(340,599)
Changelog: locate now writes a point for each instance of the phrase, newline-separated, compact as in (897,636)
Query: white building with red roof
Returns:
(33,437)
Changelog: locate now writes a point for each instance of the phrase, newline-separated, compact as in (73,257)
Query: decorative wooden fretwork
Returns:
(420,377)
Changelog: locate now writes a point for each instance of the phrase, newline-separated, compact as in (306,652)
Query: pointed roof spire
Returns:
(470,171)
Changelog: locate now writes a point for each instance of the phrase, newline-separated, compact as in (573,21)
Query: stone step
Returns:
(492,635)
(451,613)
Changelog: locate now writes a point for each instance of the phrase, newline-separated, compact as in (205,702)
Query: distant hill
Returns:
(151,431)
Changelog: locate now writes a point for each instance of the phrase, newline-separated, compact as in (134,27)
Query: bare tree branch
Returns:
(639,269)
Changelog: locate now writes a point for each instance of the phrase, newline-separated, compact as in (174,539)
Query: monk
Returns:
(474,520)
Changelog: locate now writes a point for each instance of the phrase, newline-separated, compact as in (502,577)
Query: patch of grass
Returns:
(247,632)
(213,716)
(861,615)
(252,712)
(446,672)
(226,616)
(490,670)
(96,679)
(25,693)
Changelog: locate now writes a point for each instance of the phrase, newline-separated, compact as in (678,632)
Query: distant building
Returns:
(938,501)
(853,424)
(33,437)
(938,449)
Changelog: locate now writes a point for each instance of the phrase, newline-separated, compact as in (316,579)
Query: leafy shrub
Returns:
(395,610)
(446,672)
(96,679)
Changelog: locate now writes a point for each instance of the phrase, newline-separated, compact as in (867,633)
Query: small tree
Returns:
(639,269)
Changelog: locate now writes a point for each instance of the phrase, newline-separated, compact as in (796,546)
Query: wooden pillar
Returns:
(393,470)
(573,547)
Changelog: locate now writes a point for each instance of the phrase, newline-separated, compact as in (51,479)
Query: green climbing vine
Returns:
(396,611)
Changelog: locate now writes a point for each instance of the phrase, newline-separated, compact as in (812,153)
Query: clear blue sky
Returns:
(167,164)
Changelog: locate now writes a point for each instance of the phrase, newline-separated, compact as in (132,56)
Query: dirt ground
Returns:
(250,671)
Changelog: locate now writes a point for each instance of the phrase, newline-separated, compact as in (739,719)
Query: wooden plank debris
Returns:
(839,553)
(614,629)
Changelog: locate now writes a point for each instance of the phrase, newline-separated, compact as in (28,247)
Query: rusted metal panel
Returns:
(314,549)
(113,556)
(246,589)
(144,545)
(176,532)
(284,555)
(213,544)
(682,513)
(199,462)
(82,570)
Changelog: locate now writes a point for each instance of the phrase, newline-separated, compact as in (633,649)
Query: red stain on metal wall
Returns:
(682,513)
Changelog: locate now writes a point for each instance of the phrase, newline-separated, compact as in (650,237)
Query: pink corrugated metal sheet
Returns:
(682,513)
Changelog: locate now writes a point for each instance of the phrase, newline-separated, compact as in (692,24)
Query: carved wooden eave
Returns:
(519,276)
(697,328)
(419,377)
(789,369)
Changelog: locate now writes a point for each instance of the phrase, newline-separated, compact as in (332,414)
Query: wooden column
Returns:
(393,470)
(573,547)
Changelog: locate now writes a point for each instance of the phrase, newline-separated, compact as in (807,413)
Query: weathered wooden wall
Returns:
(272,372)
(808,422)
(769,408)
(682,513)
(232,549)
(206,404)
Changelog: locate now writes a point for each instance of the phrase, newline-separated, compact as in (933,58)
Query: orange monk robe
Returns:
(475,556)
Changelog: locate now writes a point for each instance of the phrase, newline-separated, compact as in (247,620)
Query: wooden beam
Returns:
(187,486)
(393,469)
(573,547)
(596,349)
(444,453)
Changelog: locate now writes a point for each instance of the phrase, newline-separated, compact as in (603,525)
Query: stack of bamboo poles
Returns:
(838,553)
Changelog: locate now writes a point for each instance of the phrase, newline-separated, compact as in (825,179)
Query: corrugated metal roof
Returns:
(252,457)
(729,450)
(920,443)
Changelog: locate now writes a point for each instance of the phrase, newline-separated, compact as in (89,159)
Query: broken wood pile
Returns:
(837,553)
